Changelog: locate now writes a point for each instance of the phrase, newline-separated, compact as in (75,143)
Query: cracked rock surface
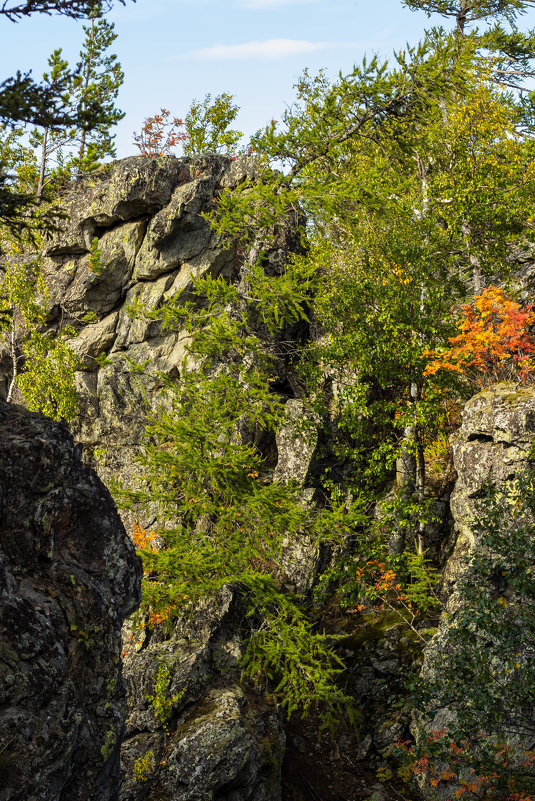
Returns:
(68,578)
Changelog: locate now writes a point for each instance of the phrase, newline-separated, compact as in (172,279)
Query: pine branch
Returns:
(77,9)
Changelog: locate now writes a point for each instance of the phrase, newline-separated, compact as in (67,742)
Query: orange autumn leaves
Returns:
(494,340)
(382,583)
(144,541)
(147,541)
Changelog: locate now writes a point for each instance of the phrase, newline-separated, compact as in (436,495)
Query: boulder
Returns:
(492,445)
(216,739)
(68,578)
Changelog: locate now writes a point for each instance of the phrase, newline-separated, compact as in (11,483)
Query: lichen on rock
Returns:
(68,578)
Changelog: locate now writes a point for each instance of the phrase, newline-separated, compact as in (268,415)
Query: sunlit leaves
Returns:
(159,134)
(495,340)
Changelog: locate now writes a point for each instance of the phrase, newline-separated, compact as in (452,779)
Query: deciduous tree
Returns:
(207,126)
(160,134)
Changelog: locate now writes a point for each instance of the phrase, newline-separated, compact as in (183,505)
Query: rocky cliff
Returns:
(484,637)
(68,578)
(145,218)
(136,233)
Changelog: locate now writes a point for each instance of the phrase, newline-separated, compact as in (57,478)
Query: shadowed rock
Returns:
(68,578)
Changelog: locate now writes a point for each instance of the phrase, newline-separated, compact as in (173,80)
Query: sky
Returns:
(174,51)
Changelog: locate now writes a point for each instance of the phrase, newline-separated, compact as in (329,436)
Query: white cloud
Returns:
(271,3)
(271,48)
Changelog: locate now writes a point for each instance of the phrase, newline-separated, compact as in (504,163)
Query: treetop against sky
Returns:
(172,51)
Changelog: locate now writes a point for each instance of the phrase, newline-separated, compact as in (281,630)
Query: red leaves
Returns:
(495,339)
(160,134)
(442,760)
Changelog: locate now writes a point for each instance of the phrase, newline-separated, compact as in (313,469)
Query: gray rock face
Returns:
(219,740)
(68,578)
(146,214)
(491,448)
(226,741)
(492,445)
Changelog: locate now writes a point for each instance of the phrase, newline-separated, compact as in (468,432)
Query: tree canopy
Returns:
(77,9)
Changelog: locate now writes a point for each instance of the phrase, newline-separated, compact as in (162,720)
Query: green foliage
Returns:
(24,102)
(300,662)
(97,80)
(51,138)
(47,383)
(416,181)
(421,584)
(480,664)
(473,10)
(108,747)
(43,364)
(18,159)
(70,8)
(222,520)
(207,126)
(161,701)
(95,258)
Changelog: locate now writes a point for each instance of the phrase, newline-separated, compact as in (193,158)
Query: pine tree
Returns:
(52,138)
(510,51)
(97,82)
(70,8)
(23,101)
(467,12)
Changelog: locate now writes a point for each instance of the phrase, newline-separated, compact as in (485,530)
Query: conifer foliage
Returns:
(69,8)
(222,521)
(97,80)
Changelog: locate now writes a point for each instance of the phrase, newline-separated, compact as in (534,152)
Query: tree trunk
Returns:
(461,17)
(81,153)
(477,279)
(420,493)
(14,365)
(42,168)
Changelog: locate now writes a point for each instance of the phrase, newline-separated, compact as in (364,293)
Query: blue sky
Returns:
(175,50)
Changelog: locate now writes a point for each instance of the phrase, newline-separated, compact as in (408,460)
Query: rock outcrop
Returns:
(144,217)
(493,447)
(68,578)
(216,739)
(136,234)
